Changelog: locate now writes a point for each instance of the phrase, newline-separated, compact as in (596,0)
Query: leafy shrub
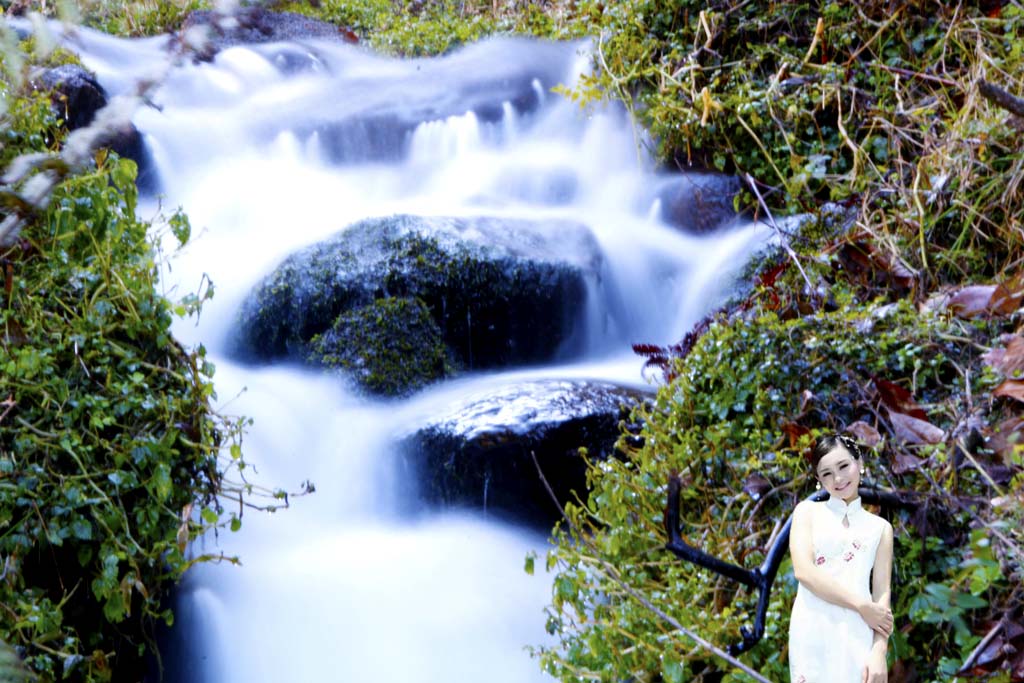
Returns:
(739,417)
(109,447)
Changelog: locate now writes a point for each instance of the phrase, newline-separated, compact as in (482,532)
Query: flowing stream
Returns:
(273,147)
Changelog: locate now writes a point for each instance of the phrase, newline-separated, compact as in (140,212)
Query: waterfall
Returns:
(273,147)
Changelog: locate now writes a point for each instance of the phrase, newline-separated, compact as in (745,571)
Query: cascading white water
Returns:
(274,147)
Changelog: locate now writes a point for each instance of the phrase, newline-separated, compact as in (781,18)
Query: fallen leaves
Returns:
(909,420)
(1008,360)
(1010,388)
(897,399)
(1005,438)
(913,430)
(974,301)
(1002,648)
(865,433)
(864,261)
(906,462)
(756,486)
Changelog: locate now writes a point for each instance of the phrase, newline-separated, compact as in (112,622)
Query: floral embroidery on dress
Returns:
(820,559)
(847,556)
(801,679)
(856,545)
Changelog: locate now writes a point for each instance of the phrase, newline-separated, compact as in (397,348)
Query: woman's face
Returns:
(839,473)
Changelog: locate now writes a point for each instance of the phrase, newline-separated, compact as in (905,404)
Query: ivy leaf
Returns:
(209,515)
(671,668)
(162,481)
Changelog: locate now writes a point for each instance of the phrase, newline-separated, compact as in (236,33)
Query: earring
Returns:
(817,485)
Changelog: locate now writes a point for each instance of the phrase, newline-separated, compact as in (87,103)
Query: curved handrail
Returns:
(760,578)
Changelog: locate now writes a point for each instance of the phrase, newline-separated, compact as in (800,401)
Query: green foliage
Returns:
(135,17)
(421,28)
(873,103)
(723,421)
(109,448)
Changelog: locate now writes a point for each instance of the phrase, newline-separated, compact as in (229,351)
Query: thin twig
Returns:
(612,573)
(916,74)
(775,227)
(969,662)
(967,454)
(998,96)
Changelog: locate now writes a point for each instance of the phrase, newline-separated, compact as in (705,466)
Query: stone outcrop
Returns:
(478,453)
(498,293)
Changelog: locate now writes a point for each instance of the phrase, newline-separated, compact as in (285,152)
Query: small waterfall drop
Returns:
(269,149)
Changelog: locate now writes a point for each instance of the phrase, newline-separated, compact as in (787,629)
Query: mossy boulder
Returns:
(478,453)
(391,346)
(500,292)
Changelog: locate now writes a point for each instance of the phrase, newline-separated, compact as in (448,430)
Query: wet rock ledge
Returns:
(477,455)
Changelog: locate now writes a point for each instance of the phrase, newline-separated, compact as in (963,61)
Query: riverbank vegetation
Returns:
(893,314)
(112,458)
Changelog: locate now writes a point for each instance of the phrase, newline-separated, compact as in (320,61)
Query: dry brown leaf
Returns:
(865,433)
(898,399)
(1008,360)
(906,463)
(794,431)
(972,301)
(1011,388)
(913,430)
(1004,302)
(1005,436)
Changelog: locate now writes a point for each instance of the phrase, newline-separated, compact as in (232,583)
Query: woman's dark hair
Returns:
(824,445)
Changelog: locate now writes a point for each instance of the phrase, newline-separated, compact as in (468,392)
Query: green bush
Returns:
(109,447)
(728,420)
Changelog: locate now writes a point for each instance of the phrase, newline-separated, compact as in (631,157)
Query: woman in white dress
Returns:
(842,558)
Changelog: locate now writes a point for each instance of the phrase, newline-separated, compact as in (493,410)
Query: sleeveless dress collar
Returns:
(842,509)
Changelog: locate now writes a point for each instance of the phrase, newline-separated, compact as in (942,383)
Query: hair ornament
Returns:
(850,444)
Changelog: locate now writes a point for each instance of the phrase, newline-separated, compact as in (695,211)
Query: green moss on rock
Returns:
(391,346)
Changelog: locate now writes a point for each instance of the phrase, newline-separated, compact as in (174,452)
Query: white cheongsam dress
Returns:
(829,643)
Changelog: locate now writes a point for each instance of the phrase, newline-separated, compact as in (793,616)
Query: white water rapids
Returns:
(271,148)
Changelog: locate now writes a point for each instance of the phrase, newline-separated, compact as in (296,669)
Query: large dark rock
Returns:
(75,93)
(698,202)
(255,24)
(77,96)
(501,292)
(477,454)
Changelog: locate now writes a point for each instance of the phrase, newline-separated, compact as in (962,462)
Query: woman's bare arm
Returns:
(881,582)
